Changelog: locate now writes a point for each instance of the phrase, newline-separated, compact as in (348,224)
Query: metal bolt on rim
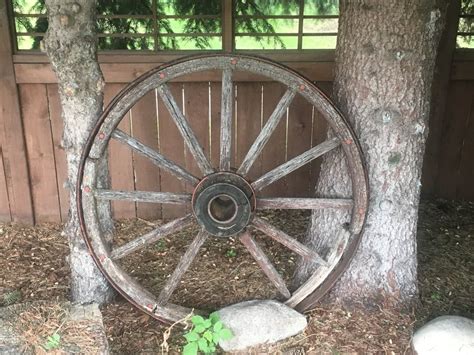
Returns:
(223,202)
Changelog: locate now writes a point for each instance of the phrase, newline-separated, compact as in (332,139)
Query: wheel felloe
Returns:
(223,204)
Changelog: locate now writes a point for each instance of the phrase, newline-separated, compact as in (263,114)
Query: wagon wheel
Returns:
(224,200)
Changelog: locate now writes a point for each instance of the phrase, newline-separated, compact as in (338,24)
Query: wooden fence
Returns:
(33,167)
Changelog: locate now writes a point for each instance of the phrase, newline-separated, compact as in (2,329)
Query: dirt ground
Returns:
(33,267)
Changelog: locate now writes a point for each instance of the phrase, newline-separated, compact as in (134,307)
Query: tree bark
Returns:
(71,45)
(385,58)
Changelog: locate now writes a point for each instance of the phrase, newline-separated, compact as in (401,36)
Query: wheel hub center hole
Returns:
(222,208)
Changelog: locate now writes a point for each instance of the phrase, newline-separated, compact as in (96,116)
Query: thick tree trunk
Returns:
(71,45)
(384,68)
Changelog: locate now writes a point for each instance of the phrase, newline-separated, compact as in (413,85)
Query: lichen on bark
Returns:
(71,45)
(385,59)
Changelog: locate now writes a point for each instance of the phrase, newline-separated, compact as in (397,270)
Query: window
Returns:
(465,37)
(170,25)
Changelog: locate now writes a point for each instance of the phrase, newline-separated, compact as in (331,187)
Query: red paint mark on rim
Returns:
(101,135)
(233,61)
(87,189)
(162,75)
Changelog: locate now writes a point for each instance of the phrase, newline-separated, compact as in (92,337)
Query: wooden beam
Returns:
(11,130)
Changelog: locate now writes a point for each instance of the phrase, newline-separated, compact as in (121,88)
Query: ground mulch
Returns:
(33,267)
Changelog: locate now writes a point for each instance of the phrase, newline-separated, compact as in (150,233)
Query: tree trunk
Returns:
(71,45)
(385,57)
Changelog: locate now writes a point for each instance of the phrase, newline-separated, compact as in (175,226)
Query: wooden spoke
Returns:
(264,263)
(182,267)
(286,240)
(144,196)
(152,237)
(226,120)
(293,203)
(155,157)
(295,163)
(183,126)
(266,132)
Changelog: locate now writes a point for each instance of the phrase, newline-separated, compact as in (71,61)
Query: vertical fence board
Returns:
(15,163)
(299,141)
(451,144)
(215,123)
(5,215)
(249,114)
(120,162)
(40,151)
(465,184)
(274,152)
(59,153)
(172,146)
(197,113)
(147,175)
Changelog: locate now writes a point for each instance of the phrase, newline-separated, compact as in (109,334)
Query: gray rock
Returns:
(445,335)
(259,322)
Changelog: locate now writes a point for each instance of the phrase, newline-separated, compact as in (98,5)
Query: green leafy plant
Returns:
(52,342)
(11,297)
(205,334)
(231,253)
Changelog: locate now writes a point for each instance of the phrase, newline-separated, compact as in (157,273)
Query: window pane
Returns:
(31,24)
(29,42)
(267,7)
(186,8)
(29,7)
(266,42)
(319,42)
(465,41)
(466,25)
(190,43)
(125,7)
(267,25)
(320,25)
(189,26)
(467,7)
(321,7)
(123,25)
(126,43)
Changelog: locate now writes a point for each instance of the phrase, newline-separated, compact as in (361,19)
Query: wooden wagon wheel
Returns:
(224,200)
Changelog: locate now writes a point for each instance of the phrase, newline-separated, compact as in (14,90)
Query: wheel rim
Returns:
(223,201)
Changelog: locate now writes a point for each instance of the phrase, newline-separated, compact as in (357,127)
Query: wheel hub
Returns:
(223,203)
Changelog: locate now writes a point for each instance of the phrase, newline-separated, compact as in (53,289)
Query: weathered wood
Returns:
(266,132)
(5,215)
(183,126)
(59,153)
(302,203)
(155,157)
(147,175)
(152,237)
(121,161)
(11,129)
(264,263)
(227,102)
(295,163)
(143,196)
(182,267)
(35,112)
(291,243)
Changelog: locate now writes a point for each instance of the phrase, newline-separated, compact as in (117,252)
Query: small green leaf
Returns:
(199,328)
(207,323)
(190,349)
(226,334)
(208,335)
(196,320)
(214,317)
(216,337)
(203,345)
(191,336)
(218,326)
(212,349)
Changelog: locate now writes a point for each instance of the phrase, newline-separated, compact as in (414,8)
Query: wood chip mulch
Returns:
(33,267)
